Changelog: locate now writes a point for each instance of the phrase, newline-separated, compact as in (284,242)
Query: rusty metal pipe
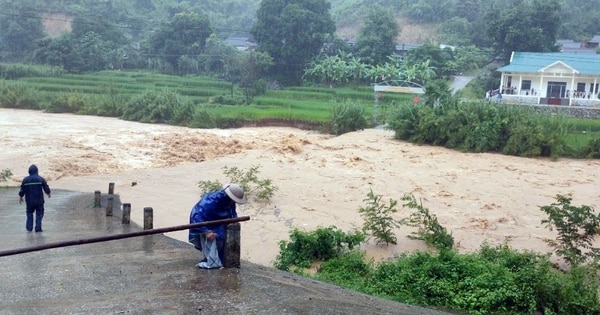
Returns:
(117,236)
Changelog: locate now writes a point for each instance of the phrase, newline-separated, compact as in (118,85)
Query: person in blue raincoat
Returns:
(210,239)
(33,188)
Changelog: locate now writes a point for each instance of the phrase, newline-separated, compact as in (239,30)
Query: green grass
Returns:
(313,104)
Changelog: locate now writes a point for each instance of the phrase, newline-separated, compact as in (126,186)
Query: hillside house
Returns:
(241,43)
(551,79)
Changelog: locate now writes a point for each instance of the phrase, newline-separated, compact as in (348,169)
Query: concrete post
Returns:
(126,213)
(111,188)
(148,218)
(232,246)
(97,199)
(109,206)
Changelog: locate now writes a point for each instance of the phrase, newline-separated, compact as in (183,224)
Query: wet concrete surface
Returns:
(151,274)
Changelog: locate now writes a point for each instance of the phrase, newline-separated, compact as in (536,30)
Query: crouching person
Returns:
(210,239)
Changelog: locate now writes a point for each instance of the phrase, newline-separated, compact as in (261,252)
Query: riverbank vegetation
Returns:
(496,279)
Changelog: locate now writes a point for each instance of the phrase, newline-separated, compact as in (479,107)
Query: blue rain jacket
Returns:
(213,206)
(33,187)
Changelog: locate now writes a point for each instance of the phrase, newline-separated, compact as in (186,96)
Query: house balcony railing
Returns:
(542,100)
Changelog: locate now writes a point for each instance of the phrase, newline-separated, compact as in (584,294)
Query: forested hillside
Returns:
(455,20)
(187,37)
(462,21)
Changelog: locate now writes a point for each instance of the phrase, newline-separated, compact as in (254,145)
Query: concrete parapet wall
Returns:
(580,108)
(521,99)
(570,111)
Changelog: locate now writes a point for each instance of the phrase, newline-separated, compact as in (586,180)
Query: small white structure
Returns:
(552,79)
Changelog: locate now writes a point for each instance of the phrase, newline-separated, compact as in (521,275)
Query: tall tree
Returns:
(377,38)
(292,32)
(184,35)
(106,30)
(527,25)
(19,30)
(56,52)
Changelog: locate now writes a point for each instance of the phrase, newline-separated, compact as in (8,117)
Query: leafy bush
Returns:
(429,229)
(349,270)
(68,103)
(347,116)
(592,149)
(108,104)
(202,119)
(495,280)
(480,127)
(17,95)
(378,220)
(159,107)
(15,71)
(535,136)
(261,189)
(322,244)
(576,226)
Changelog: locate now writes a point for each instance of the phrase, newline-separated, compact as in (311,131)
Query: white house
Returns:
(551,78)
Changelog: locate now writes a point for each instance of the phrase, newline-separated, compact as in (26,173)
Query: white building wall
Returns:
(539,83)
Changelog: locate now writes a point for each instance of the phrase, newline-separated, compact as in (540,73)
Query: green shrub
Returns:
(322,244)
(481,127)
(68,103)
(577,228)
(106,105)
(20,95)
(378,220)
(202,119)
(349,270)
(262,189)
(15,71)
(535,136)
(429,229)
(592,149)
(347,116)
(159,107)
(495,280)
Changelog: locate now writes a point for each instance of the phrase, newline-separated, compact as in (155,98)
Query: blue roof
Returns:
(535,62)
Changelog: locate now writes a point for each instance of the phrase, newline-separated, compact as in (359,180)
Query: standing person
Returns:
(33,188)
(210,239)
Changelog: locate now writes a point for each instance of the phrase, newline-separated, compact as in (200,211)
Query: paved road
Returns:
(459,82)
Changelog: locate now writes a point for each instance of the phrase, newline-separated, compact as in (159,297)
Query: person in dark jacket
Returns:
(210,239)
(33,188)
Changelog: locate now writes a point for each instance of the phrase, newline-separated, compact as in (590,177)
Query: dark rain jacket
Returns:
(213,206)
(33,187)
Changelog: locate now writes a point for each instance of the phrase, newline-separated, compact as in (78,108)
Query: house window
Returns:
(580,87)
(526,85)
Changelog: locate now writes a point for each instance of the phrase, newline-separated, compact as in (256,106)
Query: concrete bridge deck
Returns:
(151,274)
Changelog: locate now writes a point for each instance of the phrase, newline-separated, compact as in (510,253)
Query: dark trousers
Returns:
(39,215)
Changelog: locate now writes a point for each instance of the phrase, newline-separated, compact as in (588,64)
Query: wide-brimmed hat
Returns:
(235,192)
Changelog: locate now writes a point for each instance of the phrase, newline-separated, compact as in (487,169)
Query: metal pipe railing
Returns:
(117,236)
